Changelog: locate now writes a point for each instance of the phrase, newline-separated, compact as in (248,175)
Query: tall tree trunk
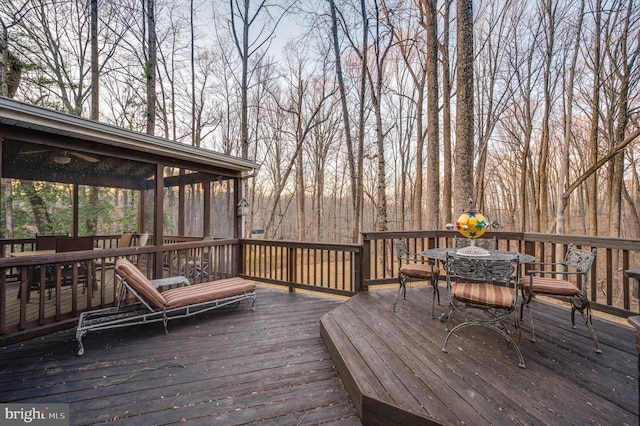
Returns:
(151,67)
(624,67)
(463,176)
(447,192)
(92,222)
(300,181)
(353,171)
(95,71)
(194,141)
(564,166)
(358,214)
(376,97)
(592,181)
(433,129)
(542,215)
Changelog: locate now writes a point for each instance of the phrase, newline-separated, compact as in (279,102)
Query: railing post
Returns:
(292,261)
(365,261)
(240,259)
(635,322)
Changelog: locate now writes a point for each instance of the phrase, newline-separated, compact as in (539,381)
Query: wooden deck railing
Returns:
(610,289)
(329,268)
(342,269)
(29,298)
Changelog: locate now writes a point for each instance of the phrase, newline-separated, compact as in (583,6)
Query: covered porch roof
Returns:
(42,144)
(39,144)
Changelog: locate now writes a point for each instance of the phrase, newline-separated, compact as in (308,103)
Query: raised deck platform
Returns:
(394,369)
(233,367)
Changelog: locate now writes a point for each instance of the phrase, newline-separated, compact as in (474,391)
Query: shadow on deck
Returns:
(394,369)
(231,367)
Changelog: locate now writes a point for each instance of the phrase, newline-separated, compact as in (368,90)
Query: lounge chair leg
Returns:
(79,335)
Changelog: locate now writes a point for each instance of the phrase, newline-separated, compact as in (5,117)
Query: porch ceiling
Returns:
(41,144)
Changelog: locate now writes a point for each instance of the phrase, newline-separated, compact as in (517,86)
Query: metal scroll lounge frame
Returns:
(154,306)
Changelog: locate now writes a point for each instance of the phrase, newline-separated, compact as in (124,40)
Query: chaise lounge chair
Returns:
(153,305)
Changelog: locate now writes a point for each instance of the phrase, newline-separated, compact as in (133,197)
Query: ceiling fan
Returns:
(62,156)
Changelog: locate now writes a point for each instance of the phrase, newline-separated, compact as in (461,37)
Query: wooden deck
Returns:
(266,366)
(393,366)
(270,366)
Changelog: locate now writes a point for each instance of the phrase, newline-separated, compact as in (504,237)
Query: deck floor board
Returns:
(270,366)
(478,381)
(267,366)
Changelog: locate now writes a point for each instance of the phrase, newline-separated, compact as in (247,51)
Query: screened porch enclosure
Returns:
(70,177)
(174,189)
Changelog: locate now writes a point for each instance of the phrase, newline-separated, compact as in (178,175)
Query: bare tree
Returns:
(463,176)
(622,55)
(432,209)
(447,166)
(592,152)
(151,64)
(382,40)
(563,174)
(354,152)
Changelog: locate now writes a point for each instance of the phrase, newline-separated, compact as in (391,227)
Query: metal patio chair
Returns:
(416,268)
(576,263)
(483,292)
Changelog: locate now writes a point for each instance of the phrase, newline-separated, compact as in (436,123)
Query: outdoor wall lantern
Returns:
(243,207)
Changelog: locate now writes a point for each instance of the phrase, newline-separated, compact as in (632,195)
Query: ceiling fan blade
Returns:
(35,151)
(84,157)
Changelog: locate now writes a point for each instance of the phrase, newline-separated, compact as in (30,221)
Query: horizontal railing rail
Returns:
(323,267)
(341,269)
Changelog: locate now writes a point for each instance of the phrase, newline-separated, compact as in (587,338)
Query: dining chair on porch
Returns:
(84,269)
(482,292)
(557,283)
(415,268)
(44,242)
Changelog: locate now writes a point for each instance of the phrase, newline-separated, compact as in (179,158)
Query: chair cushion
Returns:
(136,279)
(419,270)
(205,292)
(544,285)
(491,295)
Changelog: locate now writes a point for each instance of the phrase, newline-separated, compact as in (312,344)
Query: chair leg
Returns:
(581,304)
(524,305)
(492,326)
(402,287)
(435,294)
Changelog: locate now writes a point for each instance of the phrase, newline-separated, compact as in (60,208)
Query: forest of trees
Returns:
(369,115)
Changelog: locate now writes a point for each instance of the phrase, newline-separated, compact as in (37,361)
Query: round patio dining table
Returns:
(441,254)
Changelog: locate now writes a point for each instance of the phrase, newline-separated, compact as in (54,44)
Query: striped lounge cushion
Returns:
(205,292)
(139,283)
